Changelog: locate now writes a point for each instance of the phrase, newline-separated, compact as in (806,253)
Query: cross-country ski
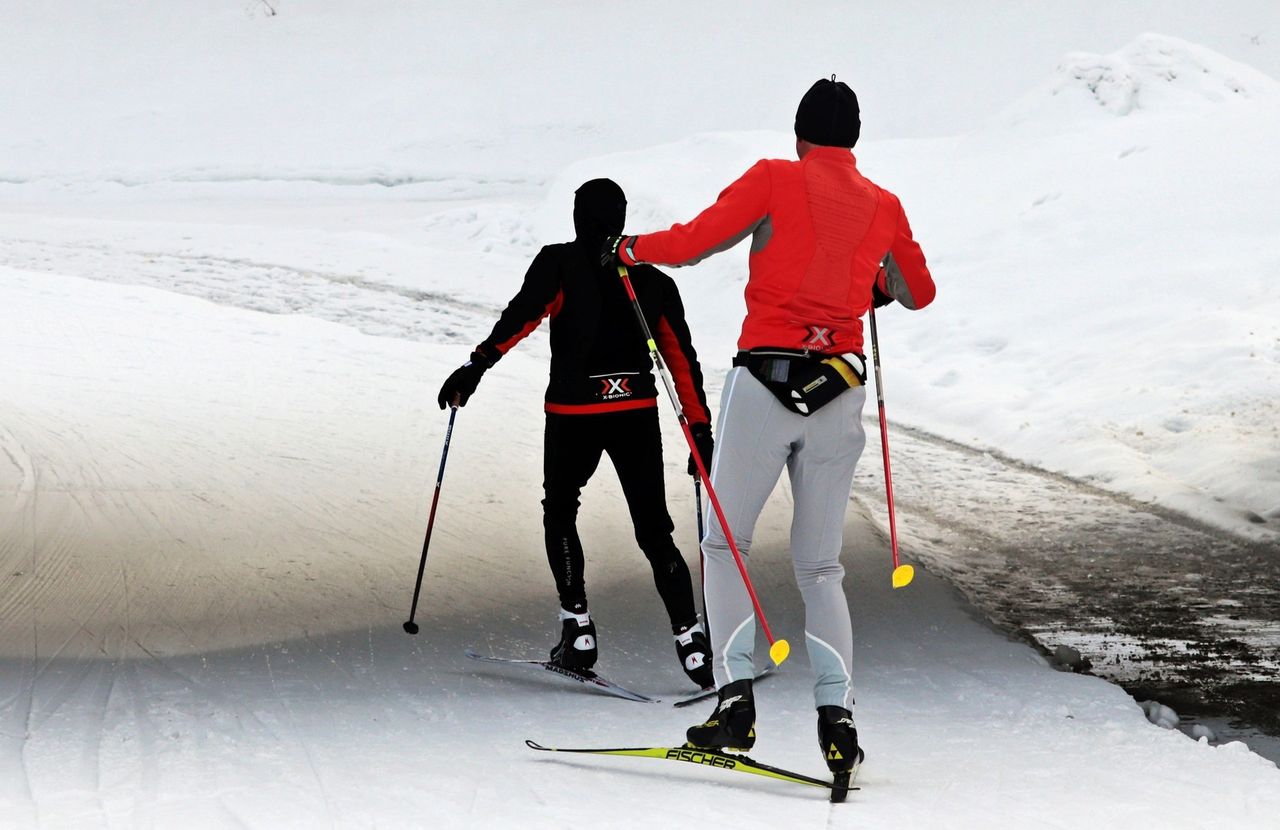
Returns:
(585,677)
(715,759)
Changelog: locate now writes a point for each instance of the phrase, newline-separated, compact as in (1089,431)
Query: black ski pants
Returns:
(572,450)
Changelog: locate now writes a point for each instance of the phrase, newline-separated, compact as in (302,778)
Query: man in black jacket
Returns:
(602,399)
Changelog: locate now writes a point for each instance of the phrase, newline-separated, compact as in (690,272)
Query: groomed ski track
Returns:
(205,572)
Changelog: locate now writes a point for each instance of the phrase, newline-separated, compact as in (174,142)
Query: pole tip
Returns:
(411,627)
(902,576)
(779,651)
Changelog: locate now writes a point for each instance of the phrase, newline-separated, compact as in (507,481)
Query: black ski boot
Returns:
(838,739)
(732,725)
(577,647)
(695,655)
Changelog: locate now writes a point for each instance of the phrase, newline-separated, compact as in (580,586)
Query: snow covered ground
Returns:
(1105,231)
(127,561)
(223,331)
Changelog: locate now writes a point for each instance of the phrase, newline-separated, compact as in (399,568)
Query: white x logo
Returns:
(616,387)
(818,336)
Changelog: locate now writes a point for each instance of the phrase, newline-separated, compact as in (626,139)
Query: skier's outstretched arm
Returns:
(737,212)
(539,296)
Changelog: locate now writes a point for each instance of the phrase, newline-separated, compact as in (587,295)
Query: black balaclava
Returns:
(828,115)
(599,212)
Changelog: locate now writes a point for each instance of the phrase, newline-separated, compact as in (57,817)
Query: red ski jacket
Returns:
(822,233)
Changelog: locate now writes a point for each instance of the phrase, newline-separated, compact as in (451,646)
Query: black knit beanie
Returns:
(828,115)
(599,210)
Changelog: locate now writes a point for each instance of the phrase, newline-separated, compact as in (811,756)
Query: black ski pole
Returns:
(697,496)
(410,626)
(702,557)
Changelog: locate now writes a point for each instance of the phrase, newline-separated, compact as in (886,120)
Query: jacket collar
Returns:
(838,154)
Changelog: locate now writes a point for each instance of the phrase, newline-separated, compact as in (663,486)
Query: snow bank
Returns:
(1161,715)
(1153,73)
(469,96)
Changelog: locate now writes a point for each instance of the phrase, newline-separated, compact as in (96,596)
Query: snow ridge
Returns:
(1153,72)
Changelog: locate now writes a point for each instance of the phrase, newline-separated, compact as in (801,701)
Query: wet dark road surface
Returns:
(1164,606)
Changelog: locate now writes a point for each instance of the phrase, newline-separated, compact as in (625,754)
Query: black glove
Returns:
(878,297)
(462,384)
(614,248)
(702,440)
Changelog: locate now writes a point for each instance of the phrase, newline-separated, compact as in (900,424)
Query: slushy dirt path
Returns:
(1170,609)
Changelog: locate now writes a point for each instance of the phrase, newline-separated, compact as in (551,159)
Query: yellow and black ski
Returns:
(717,759)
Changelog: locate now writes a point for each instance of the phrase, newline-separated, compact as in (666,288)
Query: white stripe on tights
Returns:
(724,657)
(848,682)
(724,407)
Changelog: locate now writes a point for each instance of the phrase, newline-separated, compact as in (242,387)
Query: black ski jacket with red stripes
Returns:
(599,358)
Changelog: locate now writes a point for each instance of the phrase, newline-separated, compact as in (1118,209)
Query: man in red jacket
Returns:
(826,243)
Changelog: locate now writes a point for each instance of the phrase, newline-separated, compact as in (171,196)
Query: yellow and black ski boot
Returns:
(732,725)
(838,739)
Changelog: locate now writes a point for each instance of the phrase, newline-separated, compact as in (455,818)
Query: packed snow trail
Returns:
(259,482)
(370,304)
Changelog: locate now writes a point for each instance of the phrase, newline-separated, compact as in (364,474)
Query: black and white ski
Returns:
(703,694)
(586,677)
(720,760)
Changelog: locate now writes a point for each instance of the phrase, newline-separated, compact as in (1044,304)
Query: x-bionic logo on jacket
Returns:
(613,389)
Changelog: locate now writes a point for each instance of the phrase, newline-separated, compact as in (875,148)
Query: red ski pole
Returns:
(778,649)
(902,574)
